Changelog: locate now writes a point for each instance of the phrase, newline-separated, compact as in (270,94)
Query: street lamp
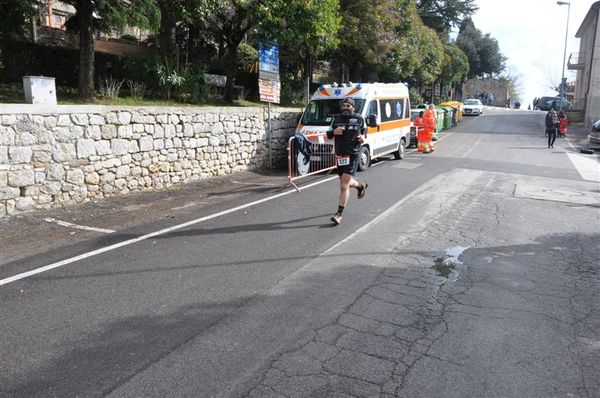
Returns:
(563,86)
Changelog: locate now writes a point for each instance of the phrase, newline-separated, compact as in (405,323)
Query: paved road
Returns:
(469,272)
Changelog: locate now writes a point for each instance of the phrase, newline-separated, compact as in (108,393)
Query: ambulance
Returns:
(384,106)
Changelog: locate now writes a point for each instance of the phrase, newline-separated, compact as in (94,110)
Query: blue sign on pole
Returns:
(268,60)
(269,86)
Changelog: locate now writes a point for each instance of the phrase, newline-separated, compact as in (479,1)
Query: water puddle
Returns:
(443,267)
(447,266)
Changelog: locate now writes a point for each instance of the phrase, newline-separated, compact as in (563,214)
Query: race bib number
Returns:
(343,161)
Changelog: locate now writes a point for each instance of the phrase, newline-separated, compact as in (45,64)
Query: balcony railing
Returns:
(576,61)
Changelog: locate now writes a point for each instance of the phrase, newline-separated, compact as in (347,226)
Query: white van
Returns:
(385,107)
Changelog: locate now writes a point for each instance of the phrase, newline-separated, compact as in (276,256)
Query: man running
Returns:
(349,133)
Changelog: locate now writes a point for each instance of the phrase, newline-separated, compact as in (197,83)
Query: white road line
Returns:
(76,226)
(471,150)
(152,235)
(587,167)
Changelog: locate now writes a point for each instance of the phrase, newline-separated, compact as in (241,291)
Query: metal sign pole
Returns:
(269,136)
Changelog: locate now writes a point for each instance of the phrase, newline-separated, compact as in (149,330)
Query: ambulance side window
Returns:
(372,110)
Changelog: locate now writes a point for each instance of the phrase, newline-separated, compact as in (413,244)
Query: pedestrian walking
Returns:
(429,125)
(349,132)
(418,123)
(552,125)
(563,124)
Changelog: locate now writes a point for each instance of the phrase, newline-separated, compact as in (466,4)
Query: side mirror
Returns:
(372,120)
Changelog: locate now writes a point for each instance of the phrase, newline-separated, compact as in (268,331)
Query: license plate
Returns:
(343,161)
(315,158)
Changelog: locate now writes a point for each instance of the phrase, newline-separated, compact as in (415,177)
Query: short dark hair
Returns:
(348,100)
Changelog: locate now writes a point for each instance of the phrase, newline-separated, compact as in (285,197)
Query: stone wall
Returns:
(56,155)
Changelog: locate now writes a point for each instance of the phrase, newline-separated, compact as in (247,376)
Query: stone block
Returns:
(111,118)
(55,172)
(146,143)
(63,121)
(108,131)
(92,178)
(125,131)
(20,154)
(24,203)
(8,120)
(85,148)
(9,193)
(75,177)
(80,119)
(26,138)
(97,120)
(103,147)
(133,146)
(40,176)
(32,190)
(93,132)
(217,128)
(4,155)
(122,172)
(64,152)
(44,136)
(170,131)
(7,136)
(50,121)
(21,178)
(119,146)
(51,187)
(124,118)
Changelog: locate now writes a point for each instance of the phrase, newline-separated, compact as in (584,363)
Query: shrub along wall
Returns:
(51,156)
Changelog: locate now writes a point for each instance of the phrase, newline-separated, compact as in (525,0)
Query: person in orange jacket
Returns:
(563,123)
(418,123)
(429,124)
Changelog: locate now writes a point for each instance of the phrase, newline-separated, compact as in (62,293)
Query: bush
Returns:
(109,88)
(30,59)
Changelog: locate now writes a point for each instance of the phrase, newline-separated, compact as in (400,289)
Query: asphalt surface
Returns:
(469,272)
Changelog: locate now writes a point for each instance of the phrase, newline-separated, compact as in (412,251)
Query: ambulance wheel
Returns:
(364,159)
(399,154)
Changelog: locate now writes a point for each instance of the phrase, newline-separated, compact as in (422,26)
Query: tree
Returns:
(93,15)
(367,34)
(483,52)
(417,54)
(229,23)
(179,12)
(443,15)
(16,15)
(456,66)
(304,28)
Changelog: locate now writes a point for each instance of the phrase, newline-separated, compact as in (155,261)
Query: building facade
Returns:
(587,65)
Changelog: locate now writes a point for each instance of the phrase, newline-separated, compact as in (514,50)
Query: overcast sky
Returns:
(531,34)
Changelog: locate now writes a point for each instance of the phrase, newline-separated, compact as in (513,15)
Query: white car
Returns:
(472,106)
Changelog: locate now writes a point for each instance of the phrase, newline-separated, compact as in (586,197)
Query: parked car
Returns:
(545,103)
(472,106)
(557,104)
(594,137)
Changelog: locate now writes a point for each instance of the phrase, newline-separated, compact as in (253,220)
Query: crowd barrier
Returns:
(321,159)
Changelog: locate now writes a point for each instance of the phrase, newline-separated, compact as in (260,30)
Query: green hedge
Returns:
(31,59)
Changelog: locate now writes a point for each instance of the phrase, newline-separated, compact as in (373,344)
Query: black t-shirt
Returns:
(353,126)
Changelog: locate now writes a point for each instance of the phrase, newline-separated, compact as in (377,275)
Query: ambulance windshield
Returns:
(321,112)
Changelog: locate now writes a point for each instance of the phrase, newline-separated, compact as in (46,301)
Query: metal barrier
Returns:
(321,160)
